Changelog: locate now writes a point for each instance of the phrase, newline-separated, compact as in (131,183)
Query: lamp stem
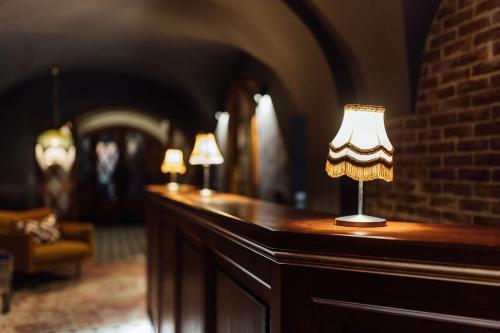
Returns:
(360,197)
(173,177)
(56,113)
(206,176)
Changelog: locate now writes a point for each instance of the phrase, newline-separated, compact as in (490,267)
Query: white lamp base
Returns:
(173,186)
(360,220)
(206,192)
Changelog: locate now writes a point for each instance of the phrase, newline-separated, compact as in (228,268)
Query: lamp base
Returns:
(173,186)
(360,221)
(206,192)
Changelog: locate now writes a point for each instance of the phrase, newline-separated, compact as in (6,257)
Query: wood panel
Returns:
(192,291)
(234,264)
(331,316)
(168,266)
(237,310)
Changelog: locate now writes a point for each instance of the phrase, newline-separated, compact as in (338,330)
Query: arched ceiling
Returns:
(195,44)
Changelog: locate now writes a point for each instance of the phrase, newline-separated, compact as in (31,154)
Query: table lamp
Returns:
(362,151)
(173,164)
(206,153)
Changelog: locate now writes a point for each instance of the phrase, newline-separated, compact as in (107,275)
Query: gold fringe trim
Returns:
(377,171)
(365,108)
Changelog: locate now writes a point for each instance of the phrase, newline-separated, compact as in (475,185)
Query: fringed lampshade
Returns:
(173,164)
(362,151)
(205,152)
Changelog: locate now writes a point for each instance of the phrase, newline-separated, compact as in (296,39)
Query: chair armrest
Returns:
(83,232)
(22,246)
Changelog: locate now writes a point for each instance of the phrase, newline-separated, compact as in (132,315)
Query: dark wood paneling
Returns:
(168,266)
(237,310)
(192,291)
(332,316)
(234,264)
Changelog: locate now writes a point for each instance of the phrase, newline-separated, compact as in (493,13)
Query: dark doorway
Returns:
(115,165)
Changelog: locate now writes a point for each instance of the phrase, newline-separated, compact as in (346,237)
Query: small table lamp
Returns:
(173,164)
(361,150)
(206,153)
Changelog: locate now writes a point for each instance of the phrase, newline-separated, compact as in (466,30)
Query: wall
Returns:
(447,158)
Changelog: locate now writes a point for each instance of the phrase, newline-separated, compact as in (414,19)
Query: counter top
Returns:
(283,228)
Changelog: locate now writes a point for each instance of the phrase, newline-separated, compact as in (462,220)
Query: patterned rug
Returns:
(108,297)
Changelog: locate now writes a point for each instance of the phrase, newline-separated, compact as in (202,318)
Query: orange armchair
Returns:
(76,243)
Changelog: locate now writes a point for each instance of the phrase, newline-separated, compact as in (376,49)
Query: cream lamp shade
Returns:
(173,162)
(205,151)
(55,147)
(362,151)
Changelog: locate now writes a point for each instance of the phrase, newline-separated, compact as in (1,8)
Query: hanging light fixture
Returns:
(56,146)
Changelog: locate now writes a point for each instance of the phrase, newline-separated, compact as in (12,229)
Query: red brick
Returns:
(486,220)
(492,191)
(444,201)
(488,97)
(495,143)
(433,187)
(496,208)
(487,128)
(457,189)
(473,145)
(453,103)
(496,48)
(474,115)
(445,147)
(460,131)
(428,161)
(495,112)
(455,75)
(416,122)
(488,159)
(486,67)
(443,38)
(495,80)
(445,92)
(442,174)
(488,35)
(496,17)
(458,160)
(444,119)
(470,57)
(431,134)
(474,26)
(474,205)
(474,175)
(457,18)
(416,149)
(495,176)
(472,85)
(485,6)
(456,218)
(425,108)
(462,45)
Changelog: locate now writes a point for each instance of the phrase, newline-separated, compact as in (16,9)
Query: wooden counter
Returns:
(233,264)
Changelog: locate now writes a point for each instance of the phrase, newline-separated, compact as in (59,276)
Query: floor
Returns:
(110,296)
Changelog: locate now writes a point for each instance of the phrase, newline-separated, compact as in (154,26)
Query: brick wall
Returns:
(447,158)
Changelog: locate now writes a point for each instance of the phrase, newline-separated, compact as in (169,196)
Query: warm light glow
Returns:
(205,151)
(361,148)
(55,147)
(173,162)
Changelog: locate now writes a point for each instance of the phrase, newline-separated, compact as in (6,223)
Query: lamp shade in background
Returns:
(361,149)
(55,147)
(205,151)
(173,162)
